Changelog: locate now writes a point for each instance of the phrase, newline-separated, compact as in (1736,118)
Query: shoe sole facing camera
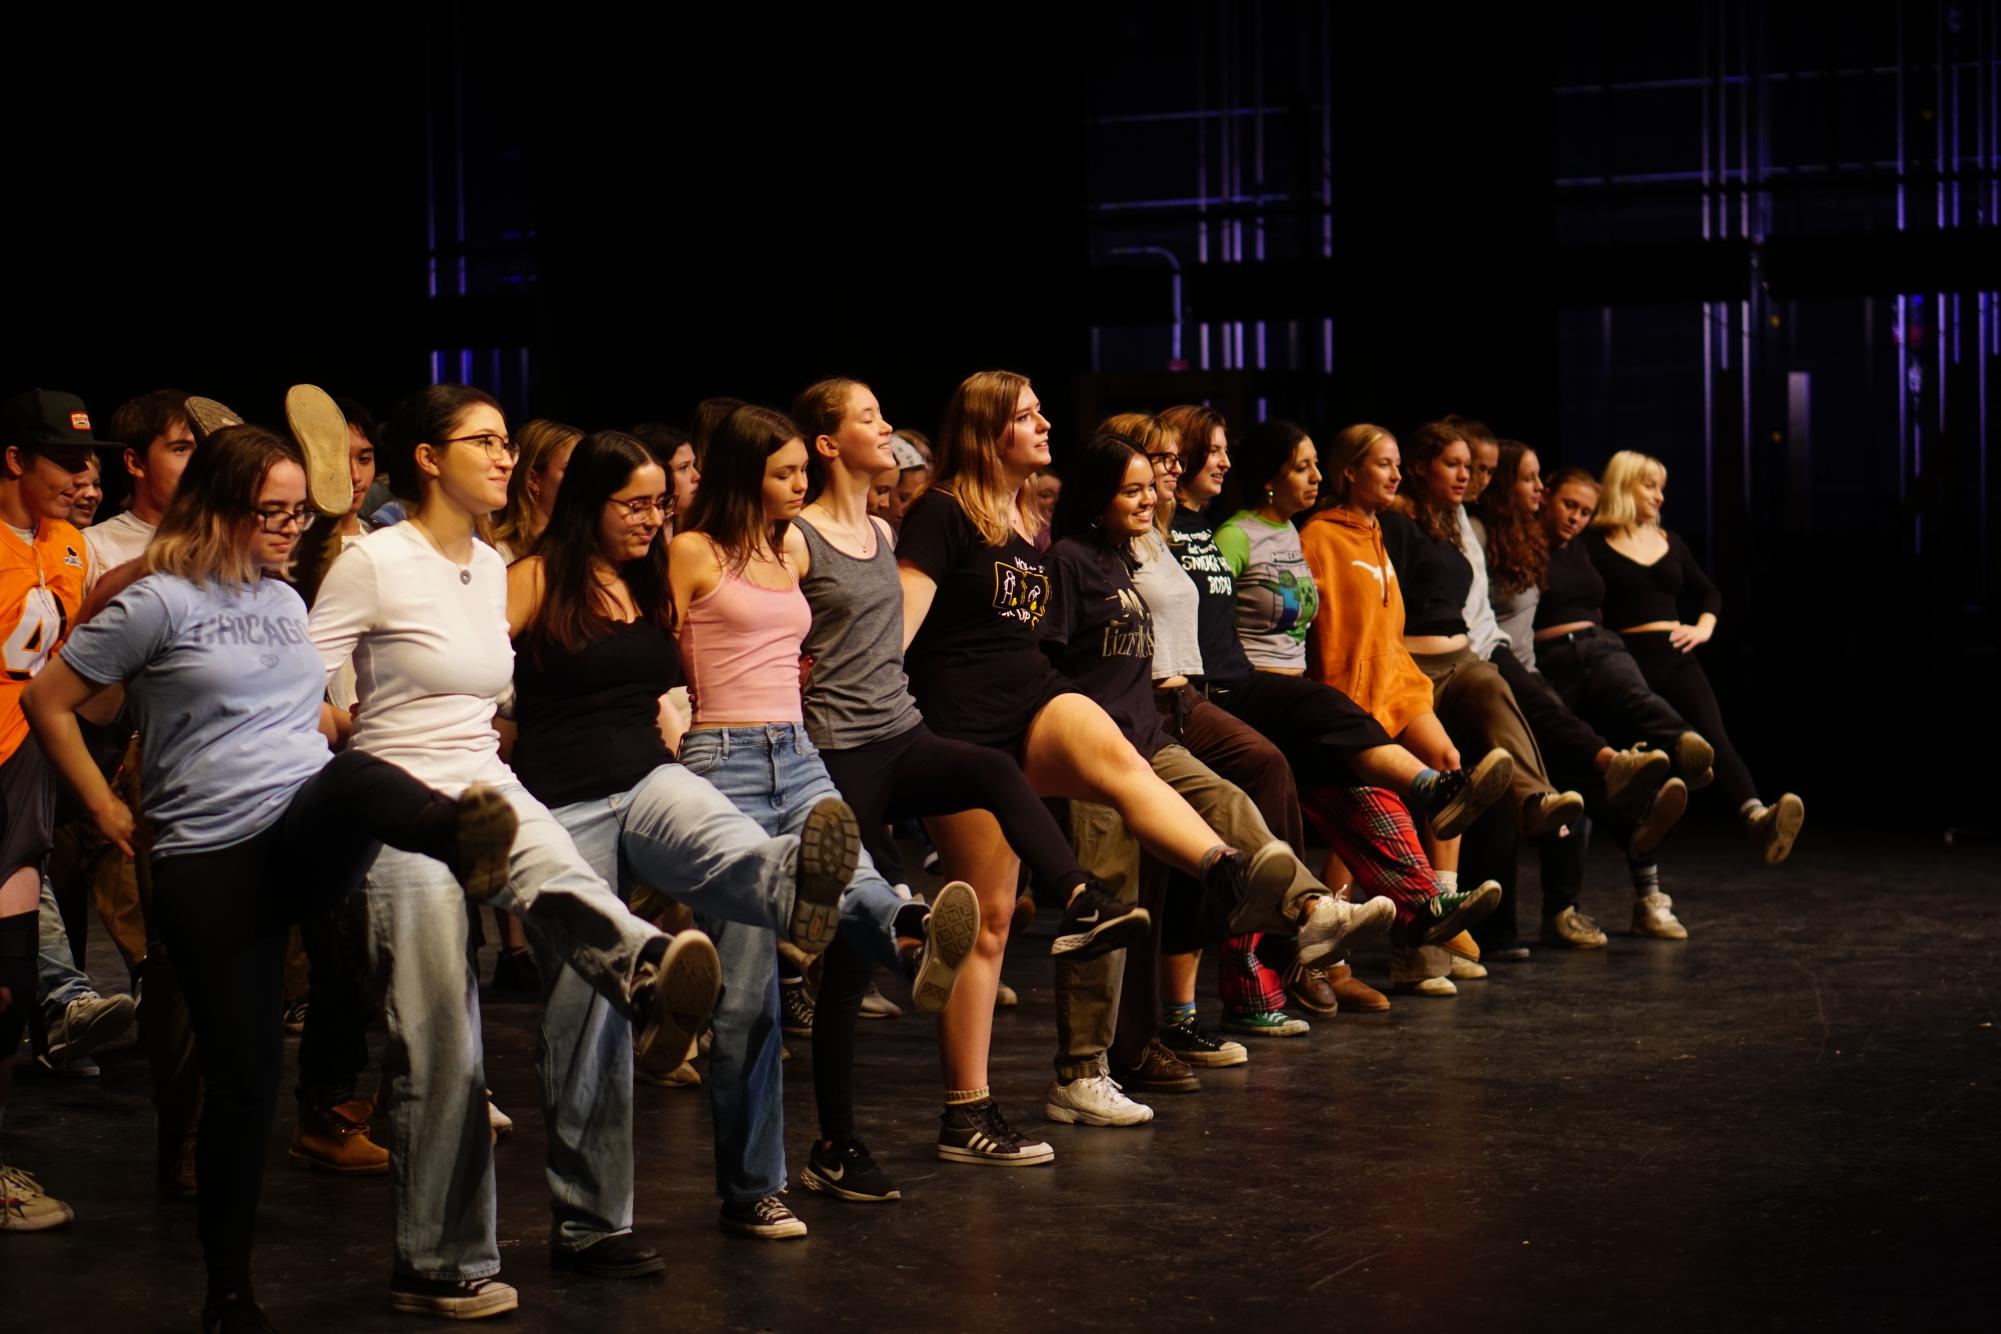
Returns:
(685,989)
(1788,814)
(1486,784)
(1035,1156)
(1555,811)
(1696,759)
(320,427)
(1268,874)
(1121,932)
(485,828)
(1669,805)
(1641,779)
(1473,909)
(950,931)
(829,849)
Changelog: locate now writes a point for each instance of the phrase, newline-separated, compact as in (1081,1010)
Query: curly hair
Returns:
(1435,521)
(1517,547)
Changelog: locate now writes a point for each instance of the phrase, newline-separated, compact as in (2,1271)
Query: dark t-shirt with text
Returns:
(1099,634)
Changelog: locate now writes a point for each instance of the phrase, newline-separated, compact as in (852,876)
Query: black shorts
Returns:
(28,821)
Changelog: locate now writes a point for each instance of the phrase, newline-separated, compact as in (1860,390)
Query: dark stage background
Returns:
(1756,243)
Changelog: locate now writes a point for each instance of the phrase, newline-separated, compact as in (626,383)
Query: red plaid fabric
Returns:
(1246,985)
(1370,830)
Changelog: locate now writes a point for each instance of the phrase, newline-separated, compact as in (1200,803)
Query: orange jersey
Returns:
(41,590)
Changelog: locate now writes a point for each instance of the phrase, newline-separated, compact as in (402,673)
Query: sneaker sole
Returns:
(1300,1032)
(1120,933)
(106,1024)
(685,991)
(485,829)
(829,850)
(1669,805)
(1485,785)
(321,429)
(813,1181)
(40,1222)
(1072,1116)
(455,1308)
(1359,933)
(563,1264)
(208,416)
(1787,817)
(950,931)
(950,1154)
(1268,874)
(1696,759)
(1642,783)
(1475,908)
(1555,811)
(1212,1060)
(793,1231)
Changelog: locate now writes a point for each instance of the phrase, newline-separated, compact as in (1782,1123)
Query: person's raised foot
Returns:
(1462,946)
(830,845)
(1572,930)
(320,427)
(1548,812)
(1663,813)
(1095,923)
(976,1132)
(1329,924)
(25,1206)
(951,929)
(1634,776)
(845,1169)
(1774,827)
(1093,1100)
(675,993)
(1462,796)
(620,1255)
(483,828)
(452,1298)
(1695,760)
(88,1023)
(1654,916)
(1447,913)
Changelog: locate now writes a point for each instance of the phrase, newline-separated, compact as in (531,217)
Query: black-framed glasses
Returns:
(636,510)
(1165,462)
(498,448)
(276,521)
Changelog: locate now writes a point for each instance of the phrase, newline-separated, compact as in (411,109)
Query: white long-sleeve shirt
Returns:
(1483,632)
(431,652)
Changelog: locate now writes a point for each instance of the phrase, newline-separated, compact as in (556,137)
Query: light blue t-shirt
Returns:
(225,685)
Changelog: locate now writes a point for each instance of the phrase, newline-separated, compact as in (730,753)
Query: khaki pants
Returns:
(1479,713)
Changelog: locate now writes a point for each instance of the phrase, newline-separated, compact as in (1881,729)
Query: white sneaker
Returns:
(1654,916)
(87,1024)
(25,1206)
(1465,970)
(1332,924)
(1094,1100)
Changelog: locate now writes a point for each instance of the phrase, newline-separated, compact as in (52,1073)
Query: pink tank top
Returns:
(740,646)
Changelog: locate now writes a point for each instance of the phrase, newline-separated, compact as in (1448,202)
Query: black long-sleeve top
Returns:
(1636,594)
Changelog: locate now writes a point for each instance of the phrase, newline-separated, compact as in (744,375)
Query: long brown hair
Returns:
(575,610)
(536,442)
(729,506)
(1196,423)
(1517,547)
(1435,521)
(977,424)
(205,533)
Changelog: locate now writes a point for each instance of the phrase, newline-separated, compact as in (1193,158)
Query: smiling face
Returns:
(1297,485)
(470,476)
(1447,476)
(1526,492)
(282,492)
(1569,511)
(1025,447)
(49,481)
(1206,482)
(634,515)
(89,493)
(1373,482)
(862,439)
(785,481)
(1130,514)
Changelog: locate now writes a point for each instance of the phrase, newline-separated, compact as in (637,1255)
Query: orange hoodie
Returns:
(1356,643)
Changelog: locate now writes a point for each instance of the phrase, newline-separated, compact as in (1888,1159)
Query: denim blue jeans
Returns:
(775,776)
(57,978)
(441,1158)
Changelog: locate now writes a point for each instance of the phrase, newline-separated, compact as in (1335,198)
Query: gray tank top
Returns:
(856,691)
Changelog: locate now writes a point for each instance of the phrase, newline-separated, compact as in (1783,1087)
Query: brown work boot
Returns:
(1159,1071)
(1352,992)
(336,1140)
(1308,989)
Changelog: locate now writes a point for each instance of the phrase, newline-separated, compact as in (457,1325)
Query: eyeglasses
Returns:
(276,521)
(499,449)
(1165,462)
(636,511)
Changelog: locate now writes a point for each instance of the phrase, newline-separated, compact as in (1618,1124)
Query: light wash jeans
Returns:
(441,1159)
(57,978)
(775,776)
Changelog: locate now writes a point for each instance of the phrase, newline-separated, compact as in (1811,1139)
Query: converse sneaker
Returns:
(1777,825)
(87,1024)
(976,1132)
(1571,929)
(843,1168)
(1094,1100)
(25,1206)
(673,996)
(1463,795)
(1447,913)
(950,930)
(767,1218)
(1330,923)
(1197,1046)
(1695,760)
(1264,1023)
(1663,813)
(1654,916)
(1548,812)
(620,1255)
(1095,923)
(829,849)
(795,1007)
(1633,778)
(320,428)
(483,828)
(875,1005)
(452,1298)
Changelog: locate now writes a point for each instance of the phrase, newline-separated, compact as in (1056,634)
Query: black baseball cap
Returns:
(49,422)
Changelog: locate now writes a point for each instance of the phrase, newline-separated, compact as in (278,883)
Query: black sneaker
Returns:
(452,1298)
(1447,913)
(619,1256)
(829,848)
(1197,1046)
(976,1132)
(1463,795)
(795,1003)
(845,1170)
(767,1218)
(1095,923)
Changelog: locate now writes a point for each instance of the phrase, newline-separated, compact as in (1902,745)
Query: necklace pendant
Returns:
(465,576)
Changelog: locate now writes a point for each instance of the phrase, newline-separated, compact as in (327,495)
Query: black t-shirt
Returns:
(974,666)
(589,722)
(1192,539)
(1099,634)
(1575,591)
(1435,575)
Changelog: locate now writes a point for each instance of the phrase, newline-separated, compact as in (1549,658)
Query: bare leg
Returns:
(1392,767)
(971,848)
(1177,977)
(1074,750)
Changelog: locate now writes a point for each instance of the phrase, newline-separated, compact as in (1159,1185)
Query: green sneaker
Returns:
(1265,1023)
(1446,914)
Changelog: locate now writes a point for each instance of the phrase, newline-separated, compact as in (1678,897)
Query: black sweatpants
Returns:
(224,915)
(1314,725)
(918,773)
(1678,678)
(1599,678)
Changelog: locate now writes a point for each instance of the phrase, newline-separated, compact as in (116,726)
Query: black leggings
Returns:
(1678,678)
(918,773)
(223,915)
(1314,725)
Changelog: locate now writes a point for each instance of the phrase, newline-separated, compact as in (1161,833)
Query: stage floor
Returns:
(1790,1121)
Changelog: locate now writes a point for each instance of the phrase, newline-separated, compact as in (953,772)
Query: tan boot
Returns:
(1352,992)
(336,1140)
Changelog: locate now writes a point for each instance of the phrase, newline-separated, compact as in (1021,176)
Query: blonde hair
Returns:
(1349,447)
(520,523)
(204,534)
(1624,472)
(977,423)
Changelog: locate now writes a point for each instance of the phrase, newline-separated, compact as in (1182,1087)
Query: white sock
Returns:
(1448,881)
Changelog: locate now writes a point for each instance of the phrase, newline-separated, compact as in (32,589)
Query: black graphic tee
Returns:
(1192,539)
(1099,634)
(974,666)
